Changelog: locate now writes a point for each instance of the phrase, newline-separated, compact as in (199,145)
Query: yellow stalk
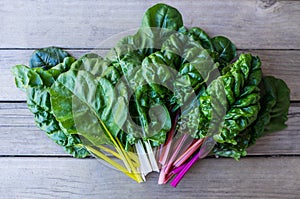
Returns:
(128,159)
(134,158)
(108,150)
(113,163)
(123,154)
(120,151)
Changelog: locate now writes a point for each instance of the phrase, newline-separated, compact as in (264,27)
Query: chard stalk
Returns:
(167,145)
(208,145)
(145,166)
(114,164)
(124,155)
(151,156)
(181,174)
(188,153)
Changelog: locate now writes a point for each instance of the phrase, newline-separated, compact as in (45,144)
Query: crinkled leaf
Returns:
(36,83)
(38,102)
(241,94)
(25,77)
(272,116)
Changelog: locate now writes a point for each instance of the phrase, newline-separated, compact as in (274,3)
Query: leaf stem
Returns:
(178,147)
(181,174)
(126,160)
(167,145)
(113,163)
(188,153)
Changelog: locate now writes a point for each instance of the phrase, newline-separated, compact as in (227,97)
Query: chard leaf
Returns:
(275,104)
(240,87)
(92,63)
(47,58)
(243,111)
(162,16)
(276,101)
(38,102)
(83,105)
(36,83)
(158,23)
(200,35)
(61,67)
(25,77)
(224,48)
(272,116)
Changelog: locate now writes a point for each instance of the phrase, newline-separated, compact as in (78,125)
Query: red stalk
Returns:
(162,176)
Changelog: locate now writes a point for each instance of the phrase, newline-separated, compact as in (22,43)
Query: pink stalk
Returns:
(162,176)
(188,153)
(167,145)
(175,153)
(168,177)
(191,147)
(204,151)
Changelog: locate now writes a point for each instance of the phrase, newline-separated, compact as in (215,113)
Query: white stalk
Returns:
(145,166)
(151,156)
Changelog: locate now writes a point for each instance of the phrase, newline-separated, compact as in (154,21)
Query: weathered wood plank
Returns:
(281,142)
(210,178)
(83,24)
(20,136)
(280,63)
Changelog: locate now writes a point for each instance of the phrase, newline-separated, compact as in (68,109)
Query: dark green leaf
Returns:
(47,58)
(162,16)
(224,48)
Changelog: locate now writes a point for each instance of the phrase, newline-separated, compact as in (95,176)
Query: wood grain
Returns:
(210,178)
(267,28)
(20,136)
(280,63)
(261,24)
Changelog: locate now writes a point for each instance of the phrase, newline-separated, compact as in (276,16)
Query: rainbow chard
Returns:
(160,100)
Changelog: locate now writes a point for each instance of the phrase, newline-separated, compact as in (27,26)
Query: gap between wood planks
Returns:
(107,49)
(91,157)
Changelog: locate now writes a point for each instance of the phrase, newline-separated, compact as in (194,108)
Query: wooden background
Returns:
(33,167)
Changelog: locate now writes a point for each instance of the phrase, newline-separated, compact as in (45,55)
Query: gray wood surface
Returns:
(32,166)
(264,24)
(211,178)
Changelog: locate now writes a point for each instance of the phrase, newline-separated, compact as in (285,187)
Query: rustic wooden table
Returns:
(34,167)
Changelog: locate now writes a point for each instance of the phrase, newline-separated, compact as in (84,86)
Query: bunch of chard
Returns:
(160,100)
